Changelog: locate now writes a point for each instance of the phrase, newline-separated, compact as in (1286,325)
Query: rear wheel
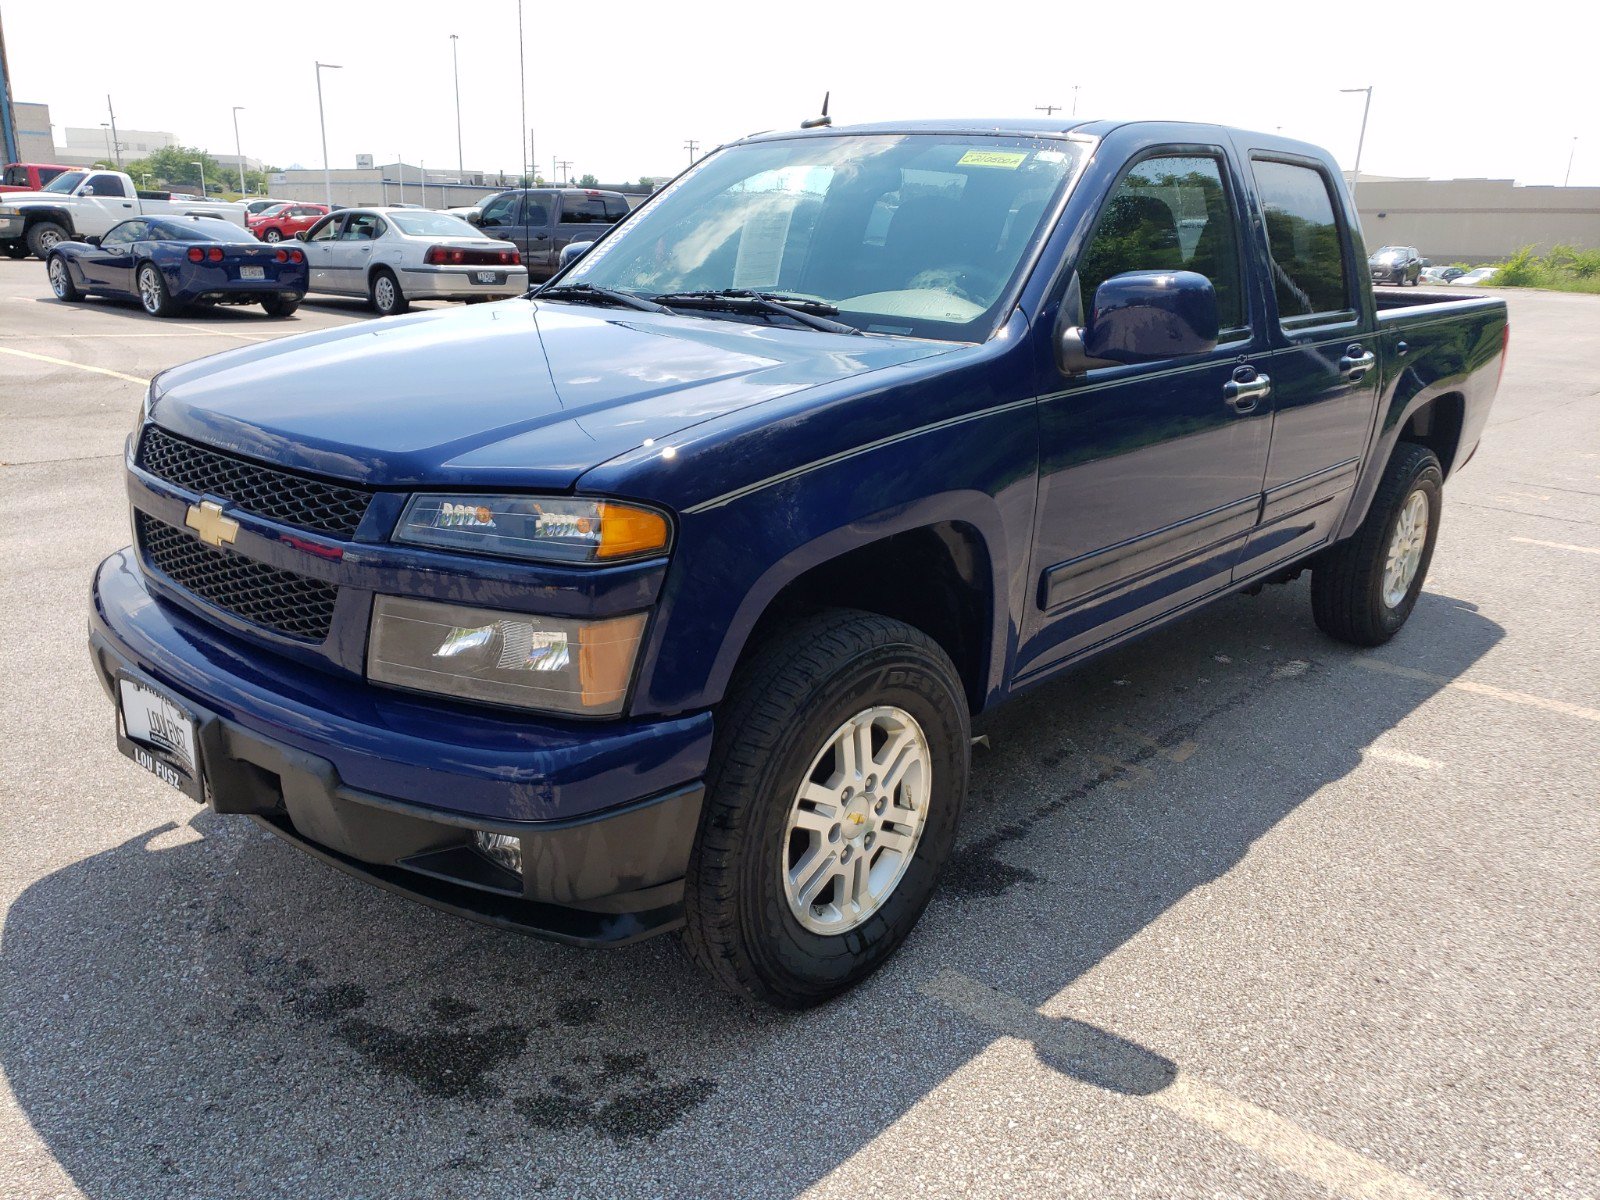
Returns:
(384,294)
(280,306)
(272,235)
(61,280)
(153,294)
(832,801)
(45,236)
(1363,589)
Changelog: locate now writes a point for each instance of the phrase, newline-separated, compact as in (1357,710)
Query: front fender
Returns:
(33,214)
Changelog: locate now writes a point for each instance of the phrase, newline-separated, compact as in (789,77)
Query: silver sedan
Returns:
(393,256)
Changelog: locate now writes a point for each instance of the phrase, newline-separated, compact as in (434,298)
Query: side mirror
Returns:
(93,239)
(301,236)
(86,190)
(1143,316)
(573,251)
(476,218)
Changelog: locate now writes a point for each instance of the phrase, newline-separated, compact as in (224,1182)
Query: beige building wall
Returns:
(1475,220)
(34,142)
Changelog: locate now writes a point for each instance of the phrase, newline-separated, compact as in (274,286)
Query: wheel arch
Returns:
(940,574)
(1437,424)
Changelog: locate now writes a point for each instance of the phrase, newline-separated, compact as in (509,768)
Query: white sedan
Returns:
(1483,275)
(393,256)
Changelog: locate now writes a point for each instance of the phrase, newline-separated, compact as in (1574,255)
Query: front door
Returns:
(1150,475)
(1323,365)
(502,218)
(320,243)
(111,266)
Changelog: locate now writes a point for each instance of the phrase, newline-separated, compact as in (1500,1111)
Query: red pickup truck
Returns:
(29,177)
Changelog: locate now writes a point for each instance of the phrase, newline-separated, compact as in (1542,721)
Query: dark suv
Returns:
(1398,265)
(542,221)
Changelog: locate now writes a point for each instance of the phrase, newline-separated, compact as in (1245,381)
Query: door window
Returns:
(108,185)
(583,210)
(363,227)
(1309,272)
(121,235)
(616,208)
(500,211)
(536,212)
(1170,213)
(327,231)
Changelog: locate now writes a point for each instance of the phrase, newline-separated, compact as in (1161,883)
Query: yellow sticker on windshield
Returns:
(1006,160)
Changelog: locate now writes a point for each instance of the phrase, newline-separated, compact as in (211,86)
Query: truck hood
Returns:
(514,394)
(28,197)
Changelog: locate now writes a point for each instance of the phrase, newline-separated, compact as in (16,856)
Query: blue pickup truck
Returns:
(664,597)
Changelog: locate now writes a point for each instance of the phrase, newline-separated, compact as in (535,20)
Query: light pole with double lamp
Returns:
(327,176)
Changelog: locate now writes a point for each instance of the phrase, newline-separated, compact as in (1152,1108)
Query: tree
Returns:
(588,181)
(174,167)
(647,182)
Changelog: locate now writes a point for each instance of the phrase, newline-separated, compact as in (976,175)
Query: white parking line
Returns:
(1482,689)
(1313,1157)
(78,337)
(1401,758)
(1558,545)
(67,362)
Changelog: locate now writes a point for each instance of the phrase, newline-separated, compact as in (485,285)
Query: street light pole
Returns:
(116,142)
(327,176)
(522,66)
(1361,141)
(1570,155)
(237,109)
(455,65)
(202,167)
(1075,99)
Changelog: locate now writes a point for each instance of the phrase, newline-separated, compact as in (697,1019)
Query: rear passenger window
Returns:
(616,208)
(1309,273)
(1168,214)
(583,210)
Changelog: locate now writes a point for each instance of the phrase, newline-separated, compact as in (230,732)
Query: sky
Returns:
(1461,88)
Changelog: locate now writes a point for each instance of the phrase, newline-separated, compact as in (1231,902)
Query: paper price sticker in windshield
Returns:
(1005,160)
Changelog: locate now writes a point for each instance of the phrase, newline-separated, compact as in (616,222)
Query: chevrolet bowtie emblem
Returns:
(209,524)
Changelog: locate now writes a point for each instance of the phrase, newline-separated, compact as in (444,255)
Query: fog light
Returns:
(500,848)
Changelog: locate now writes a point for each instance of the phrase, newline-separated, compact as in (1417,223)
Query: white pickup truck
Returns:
(79,204)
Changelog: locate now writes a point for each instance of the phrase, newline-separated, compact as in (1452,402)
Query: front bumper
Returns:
(11,228)
(457,283)
(392,788)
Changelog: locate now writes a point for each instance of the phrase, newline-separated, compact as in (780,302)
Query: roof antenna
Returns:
(824,119)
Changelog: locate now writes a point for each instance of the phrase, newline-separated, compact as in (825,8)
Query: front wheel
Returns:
(61,280)
(153,294)
(1363,589)
(384,294)
(45,236)
(832,800)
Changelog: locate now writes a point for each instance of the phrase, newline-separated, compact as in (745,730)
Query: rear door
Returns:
(1150,475)
(1323,363)
(582,218)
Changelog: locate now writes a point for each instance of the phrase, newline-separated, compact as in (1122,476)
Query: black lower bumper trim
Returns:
(556,922)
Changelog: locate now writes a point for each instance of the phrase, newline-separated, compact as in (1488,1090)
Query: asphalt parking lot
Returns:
(1237,911)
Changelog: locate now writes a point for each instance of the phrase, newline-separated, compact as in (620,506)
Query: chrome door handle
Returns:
(1356,363)
(1242,395)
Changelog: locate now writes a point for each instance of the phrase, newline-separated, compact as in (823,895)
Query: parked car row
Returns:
(1402,265)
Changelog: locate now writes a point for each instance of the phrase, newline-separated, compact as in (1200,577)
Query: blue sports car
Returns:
(169,263)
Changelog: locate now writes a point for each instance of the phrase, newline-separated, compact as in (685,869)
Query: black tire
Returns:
(45,236)
(61,279)
(1347,580)
(384,294)
(280,306)
(153,294)
(786,702)
(272,235)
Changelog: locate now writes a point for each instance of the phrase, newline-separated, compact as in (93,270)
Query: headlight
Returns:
(535,527)
(554,664)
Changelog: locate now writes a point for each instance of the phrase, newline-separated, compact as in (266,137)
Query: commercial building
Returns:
(1475,220)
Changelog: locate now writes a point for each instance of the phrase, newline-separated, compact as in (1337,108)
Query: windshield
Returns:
(421,223)
(918,234)
(270,210)
(65,182)
(1389,253)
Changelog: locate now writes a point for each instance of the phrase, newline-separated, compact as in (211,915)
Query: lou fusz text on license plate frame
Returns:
(160,735)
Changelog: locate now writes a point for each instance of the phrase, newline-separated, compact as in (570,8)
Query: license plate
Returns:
(252,272)
(486,277)
(158,733)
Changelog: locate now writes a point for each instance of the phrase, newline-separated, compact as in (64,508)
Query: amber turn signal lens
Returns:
(626,531)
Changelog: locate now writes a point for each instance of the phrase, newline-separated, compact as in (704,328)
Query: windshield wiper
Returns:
(588,293)
(811,313)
